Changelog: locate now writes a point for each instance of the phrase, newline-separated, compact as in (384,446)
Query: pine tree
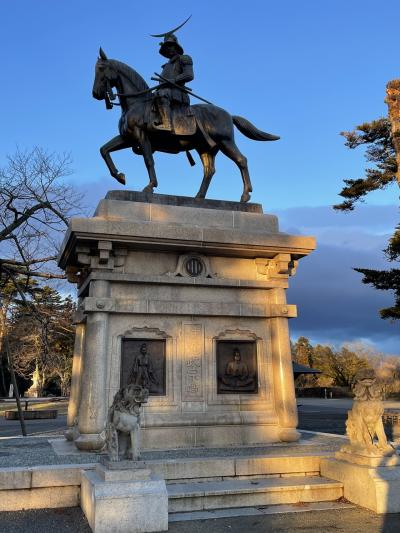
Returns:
(42,337)
(382,141)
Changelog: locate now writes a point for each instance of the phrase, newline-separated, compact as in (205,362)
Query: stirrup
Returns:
(162,126)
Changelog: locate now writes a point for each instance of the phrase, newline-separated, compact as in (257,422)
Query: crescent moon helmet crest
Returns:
(168,33)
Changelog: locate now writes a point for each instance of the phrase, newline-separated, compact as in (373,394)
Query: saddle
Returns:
(183,120)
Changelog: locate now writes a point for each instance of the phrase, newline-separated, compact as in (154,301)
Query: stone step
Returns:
(199,496)
(284,508)
(222,468)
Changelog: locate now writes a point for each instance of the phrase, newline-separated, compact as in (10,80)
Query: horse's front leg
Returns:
(147,151)
(117,143)
(208,160)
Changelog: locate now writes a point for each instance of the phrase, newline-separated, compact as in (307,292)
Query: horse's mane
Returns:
(131,74)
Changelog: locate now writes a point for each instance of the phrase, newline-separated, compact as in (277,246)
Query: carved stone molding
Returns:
(280,267)
(236,334)
(104,257)
(186,262)
(193,362)
(146,332)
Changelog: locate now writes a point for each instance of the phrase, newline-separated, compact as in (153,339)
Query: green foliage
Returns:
(338,367)
(42,337)
(385,280)
(376,137)
(393,249)
(303,352)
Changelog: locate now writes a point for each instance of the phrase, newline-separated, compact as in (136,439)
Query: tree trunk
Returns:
(2,358)
(3,379)
(393,101)
(16,391)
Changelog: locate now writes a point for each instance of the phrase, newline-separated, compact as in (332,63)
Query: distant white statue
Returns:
(364,424)
(123,424)
(34,390)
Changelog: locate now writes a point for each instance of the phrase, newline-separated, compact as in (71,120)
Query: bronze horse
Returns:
(214,128)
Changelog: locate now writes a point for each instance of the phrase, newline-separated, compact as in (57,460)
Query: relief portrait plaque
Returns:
(143,363)
(237,367)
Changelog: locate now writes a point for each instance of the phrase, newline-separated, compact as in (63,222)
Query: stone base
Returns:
(289,435)
(93,442)
(154,438)
(193,280)
(368,460)
(128,500)
(376,488)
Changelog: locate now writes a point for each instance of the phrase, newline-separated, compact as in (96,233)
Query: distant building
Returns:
(303,369)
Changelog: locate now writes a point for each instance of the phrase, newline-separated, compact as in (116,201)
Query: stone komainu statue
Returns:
(364,424)
(123,423)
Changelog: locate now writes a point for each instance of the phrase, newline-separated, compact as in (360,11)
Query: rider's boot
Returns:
(165,116)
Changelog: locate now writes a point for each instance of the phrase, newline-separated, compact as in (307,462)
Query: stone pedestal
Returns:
(370,482)
(195,281)
(122,498)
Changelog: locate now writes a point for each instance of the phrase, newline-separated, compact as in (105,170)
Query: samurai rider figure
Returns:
(178,70)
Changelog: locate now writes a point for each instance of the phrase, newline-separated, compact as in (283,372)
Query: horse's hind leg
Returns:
(208,160)
(230,149)
(146,149)
(117,143)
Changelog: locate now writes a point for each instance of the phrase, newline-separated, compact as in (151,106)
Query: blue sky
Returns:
(303,70)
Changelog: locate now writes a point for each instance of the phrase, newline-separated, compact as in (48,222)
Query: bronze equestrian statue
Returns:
(165,121)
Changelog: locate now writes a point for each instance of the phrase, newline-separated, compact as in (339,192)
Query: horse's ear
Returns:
(102,54)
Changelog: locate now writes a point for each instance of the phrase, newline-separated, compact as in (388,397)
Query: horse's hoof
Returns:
(245,197)
(148,189)
(120,177)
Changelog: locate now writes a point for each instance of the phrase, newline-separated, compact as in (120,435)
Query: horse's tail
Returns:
(248,129)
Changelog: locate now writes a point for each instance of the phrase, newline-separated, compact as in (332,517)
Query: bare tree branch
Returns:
(21,218)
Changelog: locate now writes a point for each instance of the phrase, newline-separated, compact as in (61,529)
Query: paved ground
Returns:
(12,428)
(328,416)
(32,451)
(315,414)
(332,521)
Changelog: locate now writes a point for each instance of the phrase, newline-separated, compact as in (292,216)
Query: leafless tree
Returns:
(35,205)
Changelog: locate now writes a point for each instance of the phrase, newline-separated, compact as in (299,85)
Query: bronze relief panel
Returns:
(143,363)
(237,367)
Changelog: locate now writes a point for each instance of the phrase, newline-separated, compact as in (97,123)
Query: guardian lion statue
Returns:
(123,423)
(364,424)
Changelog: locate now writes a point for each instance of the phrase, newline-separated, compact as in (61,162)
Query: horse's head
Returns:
(105,76)
(110,73)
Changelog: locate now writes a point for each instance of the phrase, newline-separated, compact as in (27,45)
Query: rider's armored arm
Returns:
(187,70)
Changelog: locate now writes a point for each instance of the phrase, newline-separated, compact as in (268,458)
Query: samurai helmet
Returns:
(170,39)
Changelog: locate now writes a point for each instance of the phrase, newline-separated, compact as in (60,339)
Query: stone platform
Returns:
(193,281)
(196,479)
